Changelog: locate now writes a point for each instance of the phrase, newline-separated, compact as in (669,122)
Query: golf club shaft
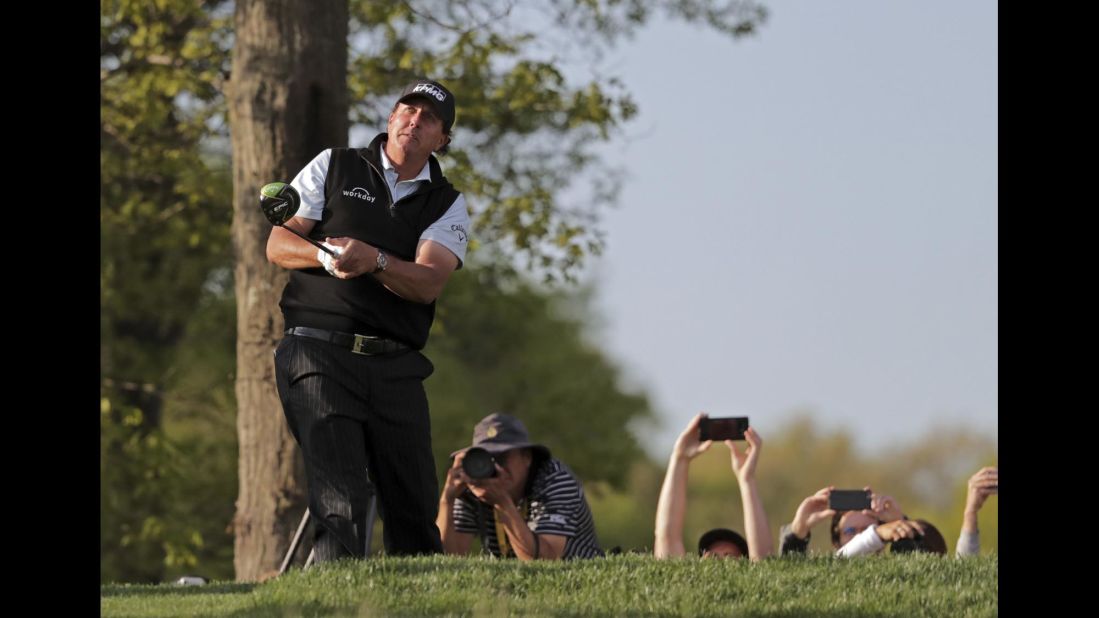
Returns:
(310,241)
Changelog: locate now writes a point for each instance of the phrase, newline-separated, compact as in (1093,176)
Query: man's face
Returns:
(722,549)
(415,128)
(852,523)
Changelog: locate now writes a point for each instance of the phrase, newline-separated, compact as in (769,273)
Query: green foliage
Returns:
(163,222)
(164,264)
(167,489)
(911,585)
(165,502)
(625,518)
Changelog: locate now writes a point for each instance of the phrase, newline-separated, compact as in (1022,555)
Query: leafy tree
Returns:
(164,251)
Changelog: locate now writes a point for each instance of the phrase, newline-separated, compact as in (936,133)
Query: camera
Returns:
(479,463)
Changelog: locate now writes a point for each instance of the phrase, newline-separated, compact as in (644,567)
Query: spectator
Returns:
(672,505)
(854,533)
(532,508)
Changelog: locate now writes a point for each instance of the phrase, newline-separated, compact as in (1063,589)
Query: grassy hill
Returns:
(818,585)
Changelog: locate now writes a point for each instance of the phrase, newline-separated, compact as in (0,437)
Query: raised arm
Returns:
(756,527)
(983,484)
(672,505)
(811,511)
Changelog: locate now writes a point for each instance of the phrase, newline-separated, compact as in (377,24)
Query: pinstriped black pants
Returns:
(351,414)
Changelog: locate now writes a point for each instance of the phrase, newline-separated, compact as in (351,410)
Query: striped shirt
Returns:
(555,505)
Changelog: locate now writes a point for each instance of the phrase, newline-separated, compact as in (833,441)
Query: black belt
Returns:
(359,344)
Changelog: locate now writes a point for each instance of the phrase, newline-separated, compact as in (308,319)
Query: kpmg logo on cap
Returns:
(429,89)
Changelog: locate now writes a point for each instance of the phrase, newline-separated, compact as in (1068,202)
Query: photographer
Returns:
(515,497)
(854,532)
(984,483)
(719,542)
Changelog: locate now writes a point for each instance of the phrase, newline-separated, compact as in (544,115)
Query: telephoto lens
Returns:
(479,463)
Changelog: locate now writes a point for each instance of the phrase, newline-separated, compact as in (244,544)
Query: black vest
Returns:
(358,205)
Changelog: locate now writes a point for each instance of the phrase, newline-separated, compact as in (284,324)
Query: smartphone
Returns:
(727,428)
(849,499)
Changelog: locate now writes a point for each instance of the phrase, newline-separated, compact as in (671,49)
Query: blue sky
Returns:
(810,220)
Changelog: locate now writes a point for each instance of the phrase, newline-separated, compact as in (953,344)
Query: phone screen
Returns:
(726,428)
(849,499)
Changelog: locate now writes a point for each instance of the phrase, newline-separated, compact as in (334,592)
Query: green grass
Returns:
(909,585)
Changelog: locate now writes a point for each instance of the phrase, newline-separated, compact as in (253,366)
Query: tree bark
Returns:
(287,101)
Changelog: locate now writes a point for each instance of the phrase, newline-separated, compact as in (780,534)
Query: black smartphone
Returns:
(849,499)
(727,428)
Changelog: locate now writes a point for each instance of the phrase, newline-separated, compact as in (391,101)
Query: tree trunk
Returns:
(287,101)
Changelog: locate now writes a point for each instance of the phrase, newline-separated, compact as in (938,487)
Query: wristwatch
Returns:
(383,263)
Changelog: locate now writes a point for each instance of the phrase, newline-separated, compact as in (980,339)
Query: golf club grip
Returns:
(310,241)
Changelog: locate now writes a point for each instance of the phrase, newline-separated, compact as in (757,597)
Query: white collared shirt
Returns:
(400,189)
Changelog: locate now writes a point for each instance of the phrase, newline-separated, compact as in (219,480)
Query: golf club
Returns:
(279,201)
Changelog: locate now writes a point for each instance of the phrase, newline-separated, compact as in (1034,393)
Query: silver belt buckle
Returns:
(357,348)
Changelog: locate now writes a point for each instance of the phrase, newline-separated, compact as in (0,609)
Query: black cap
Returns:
(722,534)
(498,432)
(441,98)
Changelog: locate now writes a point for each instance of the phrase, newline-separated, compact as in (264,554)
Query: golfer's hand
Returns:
(357,257)
(327,260)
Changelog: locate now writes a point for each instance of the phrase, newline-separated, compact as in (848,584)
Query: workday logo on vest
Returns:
(360,193)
